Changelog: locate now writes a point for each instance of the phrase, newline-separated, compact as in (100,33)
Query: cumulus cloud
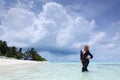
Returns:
(18,19)
(52,25)
(20,27)
(77,31)
(54,28)
(114,41)
(97,38)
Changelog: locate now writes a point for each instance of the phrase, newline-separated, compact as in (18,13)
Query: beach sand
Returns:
(15,61)
(10,65)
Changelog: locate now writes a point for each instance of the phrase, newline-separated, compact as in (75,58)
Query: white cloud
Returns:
(20,27)
(53,27)
(93,40)
(114,42)
(97,38)
(77,30)
(54,13)
(17,19)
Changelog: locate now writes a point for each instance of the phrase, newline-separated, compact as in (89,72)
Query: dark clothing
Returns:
(85,61)
(85,65)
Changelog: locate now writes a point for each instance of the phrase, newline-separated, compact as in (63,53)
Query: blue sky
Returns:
(59,29)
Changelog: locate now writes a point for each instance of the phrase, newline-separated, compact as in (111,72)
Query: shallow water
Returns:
(60,71)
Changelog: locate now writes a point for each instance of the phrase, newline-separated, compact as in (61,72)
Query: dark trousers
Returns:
(85,65)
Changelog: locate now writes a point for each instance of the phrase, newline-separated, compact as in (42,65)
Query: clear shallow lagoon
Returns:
(60,71)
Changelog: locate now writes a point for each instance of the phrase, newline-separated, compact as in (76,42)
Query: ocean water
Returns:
(60,71)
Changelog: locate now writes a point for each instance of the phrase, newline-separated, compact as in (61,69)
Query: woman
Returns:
(85,55)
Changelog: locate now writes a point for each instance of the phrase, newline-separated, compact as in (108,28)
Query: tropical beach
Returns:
(59,39)
(27,70)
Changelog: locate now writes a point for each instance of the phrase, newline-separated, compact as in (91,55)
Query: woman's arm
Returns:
(89,56)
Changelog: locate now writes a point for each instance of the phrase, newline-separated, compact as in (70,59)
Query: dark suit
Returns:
(85,61)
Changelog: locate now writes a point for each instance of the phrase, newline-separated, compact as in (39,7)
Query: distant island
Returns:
(14,52)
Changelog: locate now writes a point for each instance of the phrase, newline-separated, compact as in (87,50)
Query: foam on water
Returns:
(60,71)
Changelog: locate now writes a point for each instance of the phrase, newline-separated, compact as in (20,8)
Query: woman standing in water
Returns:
(85,55)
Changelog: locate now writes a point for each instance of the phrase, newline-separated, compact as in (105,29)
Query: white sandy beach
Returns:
(14,61)
(10,65)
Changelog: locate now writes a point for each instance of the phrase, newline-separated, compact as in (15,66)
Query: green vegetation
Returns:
(14,52)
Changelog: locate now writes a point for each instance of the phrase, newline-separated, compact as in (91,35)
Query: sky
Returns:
(58,29)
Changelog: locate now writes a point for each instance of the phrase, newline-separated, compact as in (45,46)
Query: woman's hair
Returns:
(86,47)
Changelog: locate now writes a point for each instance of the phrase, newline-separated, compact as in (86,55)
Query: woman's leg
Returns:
(85,65)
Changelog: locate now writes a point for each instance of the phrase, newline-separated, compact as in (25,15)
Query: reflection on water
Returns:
(59,71)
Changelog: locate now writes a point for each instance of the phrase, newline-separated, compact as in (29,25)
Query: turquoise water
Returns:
(60,71)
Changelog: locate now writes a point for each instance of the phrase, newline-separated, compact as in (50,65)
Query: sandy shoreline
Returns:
(15,61)
(9,65)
